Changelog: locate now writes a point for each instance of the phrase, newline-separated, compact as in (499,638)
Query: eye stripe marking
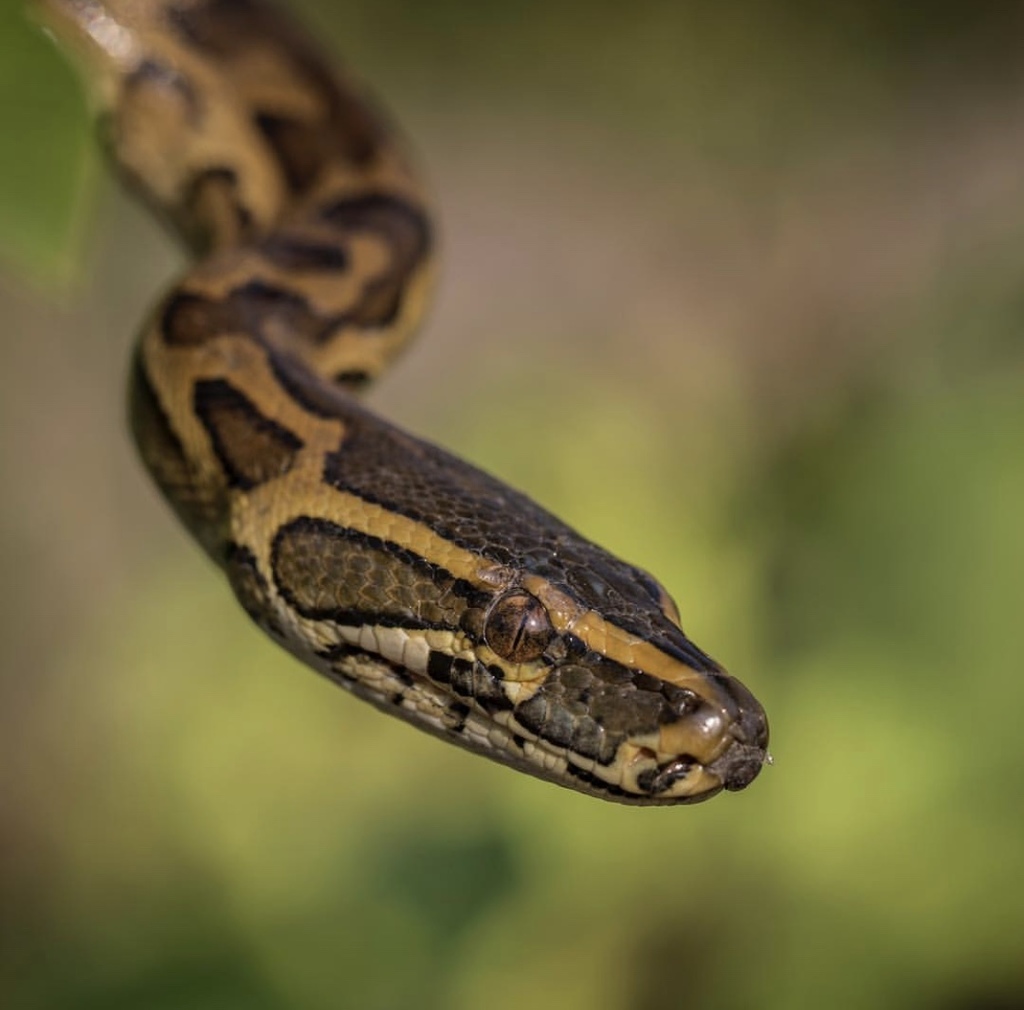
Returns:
(251,448)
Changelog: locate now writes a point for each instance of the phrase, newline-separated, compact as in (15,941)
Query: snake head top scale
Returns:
(401,572)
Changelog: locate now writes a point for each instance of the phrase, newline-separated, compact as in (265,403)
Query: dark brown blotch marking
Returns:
(348,133)
(213,211)
(199,506)
(302,149)
(404,226)
(275,314)
(329,572)
(404,229)
(353,379)
(439,667)
(251,447)
(269,313)
(224,28)
(290,252)
(188,319)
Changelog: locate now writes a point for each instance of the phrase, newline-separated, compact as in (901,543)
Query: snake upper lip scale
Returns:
(402,573)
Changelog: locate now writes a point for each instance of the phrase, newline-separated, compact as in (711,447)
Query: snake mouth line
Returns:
(685,775)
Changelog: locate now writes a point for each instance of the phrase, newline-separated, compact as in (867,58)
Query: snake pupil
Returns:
(518,628)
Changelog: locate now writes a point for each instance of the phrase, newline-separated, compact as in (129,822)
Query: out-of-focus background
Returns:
(738,290)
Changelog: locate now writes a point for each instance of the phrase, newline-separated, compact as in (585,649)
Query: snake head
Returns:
(523,640)
(605,680)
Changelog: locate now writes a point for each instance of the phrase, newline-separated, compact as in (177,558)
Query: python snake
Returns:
(400,572)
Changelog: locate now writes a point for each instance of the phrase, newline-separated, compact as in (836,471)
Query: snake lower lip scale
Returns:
(411,578)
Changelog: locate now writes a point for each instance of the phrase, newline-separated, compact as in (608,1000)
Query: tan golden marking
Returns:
(602,636)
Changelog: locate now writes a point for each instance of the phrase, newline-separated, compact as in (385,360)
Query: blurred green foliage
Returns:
(189,820)
(46,149)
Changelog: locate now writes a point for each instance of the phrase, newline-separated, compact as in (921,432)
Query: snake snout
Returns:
(743,760)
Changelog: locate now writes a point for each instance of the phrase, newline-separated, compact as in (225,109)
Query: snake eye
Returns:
(518,628)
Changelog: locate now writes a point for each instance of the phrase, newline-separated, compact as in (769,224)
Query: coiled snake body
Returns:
(400,572)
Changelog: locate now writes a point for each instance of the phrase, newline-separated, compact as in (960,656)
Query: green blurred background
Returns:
(738,290)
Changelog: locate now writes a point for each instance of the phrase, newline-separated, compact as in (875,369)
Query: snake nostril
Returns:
(740,774)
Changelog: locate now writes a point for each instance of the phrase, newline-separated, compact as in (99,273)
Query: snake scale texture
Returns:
(400,572)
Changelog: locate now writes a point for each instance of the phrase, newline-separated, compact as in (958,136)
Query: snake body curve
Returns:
(402,573)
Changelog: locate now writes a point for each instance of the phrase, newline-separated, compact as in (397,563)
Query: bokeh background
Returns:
(738,290)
